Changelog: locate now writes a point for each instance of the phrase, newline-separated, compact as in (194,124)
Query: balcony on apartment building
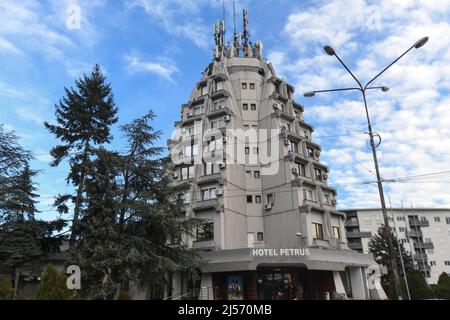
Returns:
(420,258)
(351,223)
(359,234)
(423,245)
(355,245)
(419,223)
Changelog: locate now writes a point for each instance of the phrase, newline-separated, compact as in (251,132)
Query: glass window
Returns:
(447,220)
(270,198)
(255,150)
(310,152)
(260,236)
(187,173)
(203,90)
(437,219)
(205,232)
(257,199)
(301,169)
(293,146)
(248,174)
(256,174)
(318,174)
(308,194)
(245,106)
(252,86)
(244,85)
(249,199)
(219,85)
(253,106)
(208,194)
(336,232)
(317,231)
(247,150)
(326,198)
(219,104)
(198,110)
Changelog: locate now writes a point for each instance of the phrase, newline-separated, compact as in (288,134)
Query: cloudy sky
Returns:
(153,52)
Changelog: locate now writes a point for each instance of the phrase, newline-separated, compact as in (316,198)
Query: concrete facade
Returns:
(256,179)
(424,233)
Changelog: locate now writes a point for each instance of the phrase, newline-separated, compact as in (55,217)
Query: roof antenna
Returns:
(246,33)
(235,34)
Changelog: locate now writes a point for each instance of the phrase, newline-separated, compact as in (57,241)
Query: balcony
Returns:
(224,111)
(420,258)
(351,223)
(423,245)
(205,205)
(359,234)
(217,177)
(414,233)
(419,223)
(355,245)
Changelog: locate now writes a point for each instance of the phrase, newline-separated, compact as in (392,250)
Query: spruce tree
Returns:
(53,285)
(83,120)
(378,246)
(443,286)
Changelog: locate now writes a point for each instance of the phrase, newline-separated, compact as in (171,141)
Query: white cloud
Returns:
(162,67)
(412,117)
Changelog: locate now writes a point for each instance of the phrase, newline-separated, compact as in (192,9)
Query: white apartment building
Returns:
(424,232)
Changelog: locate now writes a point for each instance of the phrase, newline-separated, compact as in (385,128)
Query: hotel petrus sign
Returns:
(287,252)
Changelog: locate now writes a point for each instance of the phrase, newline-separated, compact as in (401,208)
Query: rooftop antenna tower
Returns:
(235,34)
(246,33)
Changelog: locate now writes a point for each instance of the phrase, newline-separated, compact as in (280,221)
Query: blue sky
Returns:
(153,53)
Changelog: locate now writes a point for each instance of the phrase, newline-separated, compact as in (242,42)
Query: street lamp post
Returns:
(330,51)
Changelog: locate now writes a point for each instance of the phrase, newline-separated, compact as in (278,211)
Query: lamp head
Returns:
(329,50)
(385,89)
(309,94)
(421,42)
(298,234)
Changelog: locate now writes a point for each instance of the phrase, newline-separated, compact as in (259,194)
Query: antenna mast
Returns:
(246,33)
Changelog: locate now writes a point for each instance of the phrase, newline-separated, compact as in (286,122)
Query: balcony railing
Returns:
(420,257)
(355,245)
(351,223)
(414,233)
(423,245)
(359,234)
(419,223)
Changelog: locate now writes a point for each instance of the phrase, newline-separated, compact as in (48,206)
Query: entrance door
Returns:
(273,284)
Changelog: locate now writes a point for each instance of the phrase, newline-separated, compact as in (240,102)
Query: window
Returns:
(260,236)
(293,146)
(298,115)
(336,232)
(317,231)
(285,126)
(245,106)
(219,104)
(310,152)
(244,85)
(308,194)
(205,232)
(191,150)
(253,106)
(249,199)
(447,220)
(218,124)
(198,110)
(210,168)
(208,194)
(257,199)
(246,127)
(401,229)
(203,90)
(270,198)
(326,198)
(256,174)
(318,174)
(437,219)
(301,169)
(219,85)
(447,263)
(255,126)
(187,173)
(252,86)
(247,150)
(251,239)
(248,174)
(400,218)
(255,151)
(432,263)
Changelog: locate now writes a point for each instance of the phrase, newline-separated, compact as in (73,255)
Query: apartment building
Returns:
(424,233)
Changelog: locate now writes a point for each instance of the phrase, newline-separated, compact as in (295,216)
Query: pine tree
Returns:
(53,286)
(22,237)
(418,287)
(6,290)
(152,214)
(378,246)
(443,286)
(84,117)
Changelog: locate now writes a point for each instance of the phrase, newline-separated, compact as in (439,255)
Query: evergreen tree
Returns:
(443,286)
(378,246)
(418,287)
(152,213)
(6,290)
(84,117)
(22,237)
(53,286)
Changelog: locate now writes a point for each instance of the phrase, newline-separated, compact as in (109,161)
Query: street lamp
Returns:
(330,51)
